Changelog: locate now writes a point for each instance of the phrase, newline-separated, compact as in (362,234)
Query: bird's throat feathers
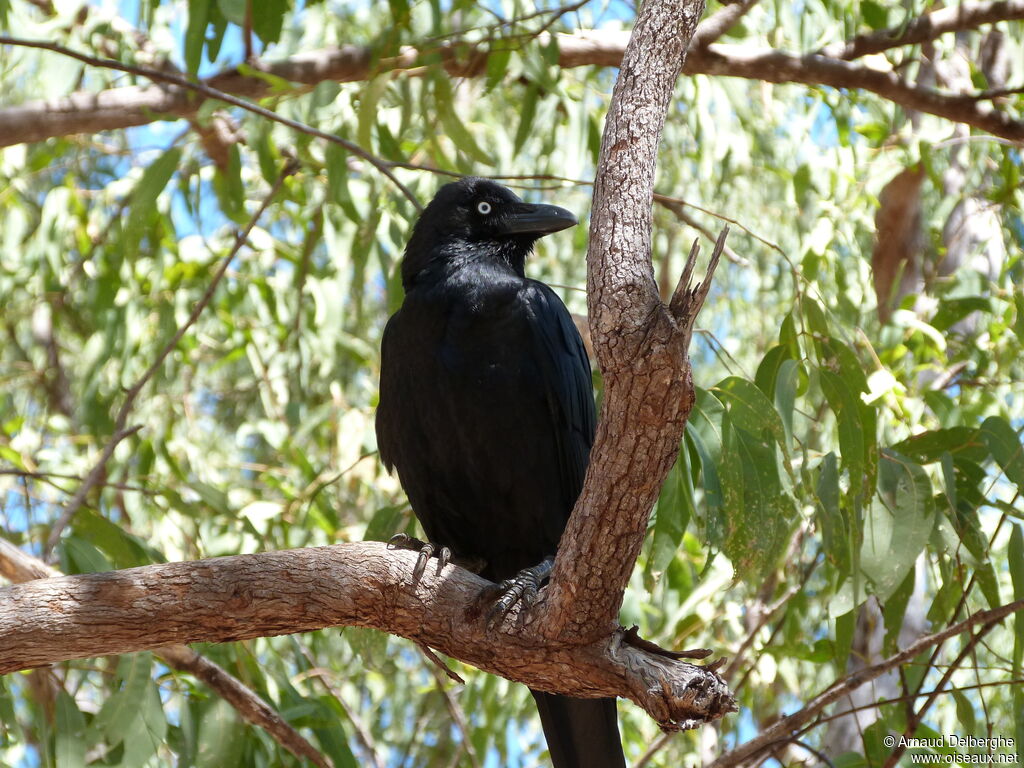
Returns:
(442,259)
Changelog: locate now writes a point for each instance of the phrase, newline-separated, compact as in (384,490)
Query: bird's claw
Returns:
(522,589)
(425,549)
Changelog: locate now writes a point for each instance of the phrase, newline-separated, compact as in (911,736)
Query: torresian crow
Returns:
(487,412)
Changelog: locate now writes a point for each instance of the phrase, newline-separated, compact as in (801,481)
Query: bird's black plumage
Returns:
(486,408)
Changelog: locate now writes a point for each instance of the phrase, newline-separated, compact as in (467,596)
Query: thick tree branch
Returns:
(135,105)
(360,584)
(20,567)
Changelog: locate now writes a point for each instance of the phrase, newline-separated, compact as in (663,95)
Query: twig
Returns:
(720,22)
(120,429)
(676,207)
(46,477)
(457,713)
(439,663)
(912,722)
(912,696)
(213,93)
(246,702)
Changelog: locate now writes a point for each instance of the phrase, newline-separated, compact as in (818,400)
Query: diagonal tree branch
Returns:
(811,69)
(783,729)
(929,26)
(360,584)
(19,567)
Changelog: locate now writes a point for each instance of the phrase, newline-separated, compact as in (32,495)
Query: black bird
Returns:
(487,411)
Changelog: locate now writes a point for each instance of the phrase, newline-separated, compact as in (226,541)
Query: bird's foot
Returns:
(426,551)
(521,589)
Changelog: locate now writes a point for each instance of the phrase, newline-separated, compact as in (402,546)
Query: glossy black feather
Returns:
(486,406)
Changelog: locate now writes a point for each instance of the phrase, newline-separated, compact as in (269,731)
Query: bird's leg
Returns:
(426,551)
(521,588)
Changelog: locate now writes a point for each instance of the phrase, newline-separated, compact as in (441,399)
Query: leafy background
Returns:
(831,460)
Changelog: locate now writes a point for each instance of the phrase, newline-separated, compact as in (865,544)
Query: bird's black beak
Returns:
(536,220)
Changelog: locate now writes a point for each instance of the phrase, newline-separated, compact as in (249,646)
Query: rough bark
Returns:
(361,584)
(639,346)
(19,567)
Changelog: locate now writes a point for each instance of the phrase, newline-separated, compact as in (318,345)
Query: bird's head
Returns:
(474,219)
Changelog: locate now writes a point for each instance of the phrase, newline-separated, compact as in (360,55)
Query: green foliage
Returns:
(828,458)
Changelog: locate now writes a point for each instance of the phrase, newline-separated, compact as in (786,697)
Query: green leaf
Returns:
(150,731)
(1005,445)
(144,197)
(834,527)
(786,386)
(673,512)
(704,428)
(802,184)
(83,557)
(268,19)
(234,10)
(874,14)
(527,111)
(195,34)
(453,125)
(845,404)
(228,186)
(898,523)
(497,64)
(749,408)
(119,712)
(894,610)
(757,508)
(385,522)
(1015,555)
(70,732)
(368,100)
(930,446)
(768,370)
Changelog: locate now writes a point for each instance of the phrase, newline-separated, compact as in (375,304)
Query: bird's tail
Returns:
(581,733)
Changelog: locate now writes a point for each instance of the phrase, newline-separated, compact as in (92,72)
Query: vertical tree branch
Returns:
(642,355)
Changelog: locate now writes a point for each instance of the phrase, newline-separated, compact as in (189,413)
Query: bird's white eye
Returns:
(483,207)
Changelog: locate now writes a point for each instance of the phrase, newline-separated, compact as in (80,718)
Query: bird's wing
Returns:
(565,371)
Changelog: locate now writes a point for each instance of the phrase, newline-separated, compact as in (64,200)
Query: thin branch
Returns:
(246,702)
(458,714)
(929,26)
(678,210)
(210,92)
(19,567)
(720,22)
(776,66)
(48,477)
(783,728)
(912,696)
(121,431)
